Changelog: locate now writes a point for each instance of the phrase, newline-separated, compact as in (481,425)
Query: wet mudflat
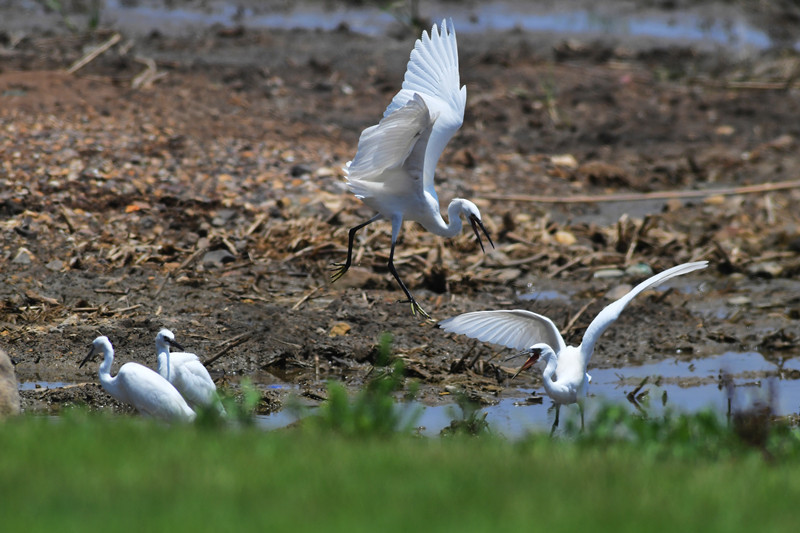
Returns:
(192,180)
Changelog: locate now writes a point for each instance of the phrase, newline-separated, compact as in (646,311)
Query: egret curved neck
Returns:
(163,364)
(105,368)
(549,371)
(436,224)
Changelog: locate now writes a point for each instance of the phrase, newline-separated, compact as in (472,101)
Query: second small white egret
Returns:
(565,377)
(186,373)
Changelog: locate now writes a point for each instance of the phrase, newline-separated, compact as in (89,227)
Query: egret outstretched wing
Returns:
(398,140)
(432,73)
(516,328)
(612,311)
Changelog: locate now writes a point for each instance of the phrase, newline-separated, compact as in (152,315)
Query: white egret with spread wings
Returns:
(394,166)
(565,377)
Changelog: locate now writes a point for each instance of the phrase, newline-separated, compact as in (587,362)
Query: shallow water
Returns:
(730,30)
(34,385)
(681,385)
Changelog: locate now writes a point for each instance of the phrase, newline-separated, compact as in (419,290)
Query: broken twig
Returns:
(228,346)
(636,197)
(94,54)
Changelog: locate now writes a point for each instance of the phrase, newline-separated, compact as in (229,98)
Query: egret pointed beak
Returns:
(535,354)
(90,354)
(516,355)
(175,345)
(476,223)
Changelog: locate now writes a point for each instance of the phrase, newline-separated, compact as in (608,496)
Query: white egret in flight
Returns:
(565,377)
(186,373)
(394,165)
(140,387)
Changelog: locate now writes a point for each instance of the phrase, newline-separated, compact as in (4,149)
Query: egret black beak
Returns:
(476,223)
(534,356)
(524,353)
(89,355)
(175,345)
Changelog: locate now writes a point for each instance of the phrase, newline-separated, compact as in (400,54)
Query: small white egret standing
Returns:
(394,165)
(186,373)
(565,377)
(140,387)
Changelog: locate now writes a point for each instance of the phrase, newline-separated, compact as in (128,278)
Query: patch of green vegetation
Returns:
(470,421)
(93,472)
(692,436)
(374,410)
(240,408)
(87,473)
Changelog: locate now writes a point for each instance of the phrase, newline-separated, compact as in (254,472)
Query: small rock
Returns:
(639,270)
(739,300)
(222,217)
(339,329)
(218,257)
(767,269)
(607,273)
(725,130)
(23,257)
(716,199)
(300,170)
(9,390)
(508,274)
(55,265)
(564,237)
(564,160)
(324,172)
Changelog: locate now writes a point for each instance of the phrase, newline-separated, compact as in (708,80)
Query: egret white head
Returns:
(97,346)
(166,337)
(537,352)
(473,215)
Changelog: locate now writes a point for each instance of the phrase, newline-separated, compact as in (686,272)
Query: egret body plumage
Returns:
(186,373)
(394,166)
(565,378)
(140,387)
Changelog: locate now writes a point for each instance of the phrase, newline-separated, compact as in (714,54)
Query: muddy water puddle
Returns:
(728,29)
(680,385)
(39,385)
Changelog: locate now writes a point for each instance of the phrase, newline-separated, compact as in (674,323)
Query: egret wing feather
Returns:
(194,382)
(516,328)
(151,394)
(389,145)
(432,73)
(611,312)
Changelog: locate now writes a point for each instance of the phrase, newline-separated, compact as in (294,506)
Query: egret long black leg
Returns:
(415,307)
(339,269)
(555,422)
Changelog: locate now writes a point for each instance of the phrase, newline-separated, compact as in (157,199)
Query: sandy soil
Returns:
(194,182)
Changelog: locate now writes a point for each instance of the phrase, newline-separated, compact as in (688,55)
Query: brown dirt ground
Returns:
(211,202)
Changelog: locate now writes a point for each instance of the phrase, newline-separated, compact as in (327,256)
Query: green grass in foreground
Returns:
(94,473)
